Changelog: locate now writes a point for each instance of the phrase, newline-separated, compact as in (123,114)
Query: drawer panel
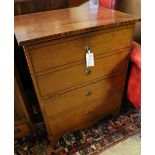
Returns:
(58,54)
(85,115)
(60,80)
(21,130)
(79,97)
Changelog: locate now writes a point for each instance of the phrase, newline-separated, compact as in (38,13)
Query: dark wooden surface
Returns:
(74,3)
(30,6)
(37,27)
(22,123)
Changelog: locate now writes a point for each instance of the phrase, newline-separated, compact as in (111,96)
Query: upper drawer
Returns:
(63,51)
(64,79)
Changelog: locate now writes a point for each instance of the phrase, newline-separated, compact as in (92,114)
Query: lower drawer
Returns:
(20,130)
(86,115)
(64,102)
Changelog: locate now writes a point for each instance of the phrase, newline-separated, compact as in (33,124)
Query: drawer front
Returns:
(59,54)
(79,97)
(21,130)
(85,115)
(51,83)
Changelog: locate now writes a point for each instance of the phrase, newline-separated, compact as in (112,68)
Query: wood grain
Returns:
(38,27)
(63,103)
(58,74)
(52,83)
(85,115)
(74,49)
(30,6)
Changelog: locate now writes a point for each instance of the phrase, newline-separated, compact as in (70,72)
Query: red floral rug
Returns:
(102,135)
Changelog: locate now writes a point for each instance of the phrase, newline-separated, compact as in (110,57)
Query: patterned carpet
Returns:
(102,135)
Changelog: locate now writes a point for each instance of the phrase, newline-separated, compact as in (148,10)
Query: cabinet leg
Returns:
(116,113)
(54,142)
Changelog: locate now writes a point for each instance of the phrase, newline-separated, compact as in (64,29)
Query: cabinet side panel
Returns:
(31,69)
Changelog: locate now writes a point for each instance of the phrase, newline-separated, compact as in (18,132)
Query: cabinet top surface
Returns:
(38,27)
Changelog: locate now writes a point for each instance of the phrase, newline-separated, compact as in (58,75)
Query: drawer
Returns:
(21,130)
(79,97)
(51,83)
(73,49)
(85,115)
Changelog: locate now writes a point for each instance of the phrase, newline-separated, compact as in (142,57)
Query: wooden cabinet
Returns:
(22,123)
(71,95)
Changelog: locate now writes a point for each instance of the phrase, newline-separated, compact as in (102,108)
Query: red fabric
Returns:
(111,4)
(134,81)
(135,56)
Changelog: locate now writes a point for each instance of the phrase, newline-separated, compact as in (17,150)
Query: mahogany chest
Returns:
(72,95)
